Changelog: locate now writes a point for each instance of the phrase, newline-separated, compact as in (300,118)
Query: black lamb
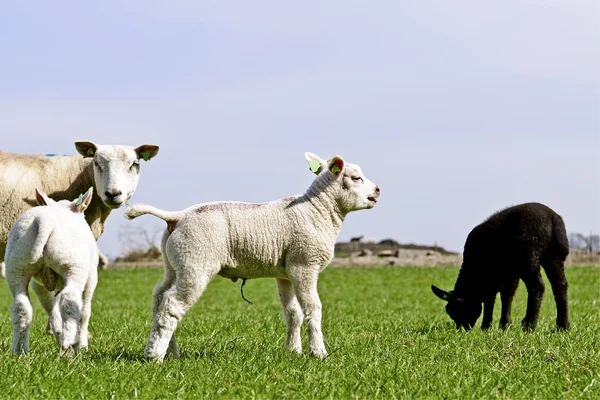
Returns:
(508,246)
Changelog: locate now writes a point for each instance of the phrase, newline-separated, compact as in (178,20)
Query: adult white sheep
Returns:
(113,172)
(54,238)
(291,240)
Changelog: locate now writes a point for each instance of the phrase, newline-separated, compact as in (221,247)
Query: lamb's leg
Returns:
(488,312)
(157,297)
(70,304)
(292,313)
(22,313)
(189,285)
(86,309)
(3,269)
(555,270)
(507,293)
(535,292)
(305,286)
(102,260)
(46,299)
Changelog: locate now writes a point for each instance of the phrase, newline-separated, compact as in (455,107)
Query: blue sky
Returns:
(456,109)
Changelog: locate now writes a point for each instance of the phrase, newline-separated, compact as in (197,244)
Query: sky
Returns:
(455,109)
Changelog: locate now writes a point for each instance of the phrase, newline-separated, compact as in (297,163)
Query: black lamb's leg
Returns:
(488,312)
(507,293)
(555,270)
(535,292)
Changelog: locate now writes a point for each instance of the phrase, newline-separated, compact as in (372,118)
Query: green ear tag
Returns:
(146,155)
(314,166)
(90,152)
(79,200)
(335,169)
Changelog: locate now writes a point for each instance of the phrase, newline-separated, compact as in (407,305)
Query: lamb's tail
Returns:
(39,236)
(136,210)
(560,236)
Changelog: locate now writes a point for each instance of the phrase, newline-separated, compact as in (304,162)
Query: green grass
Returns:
(388,336)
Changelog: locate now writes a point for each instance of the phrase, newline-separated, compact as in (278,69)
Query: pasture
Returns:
(387,334)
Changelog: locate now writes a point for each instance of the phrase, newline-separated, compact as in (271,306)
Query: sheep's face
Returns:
(350,187)
(463,312)
(116,169)
(76,206)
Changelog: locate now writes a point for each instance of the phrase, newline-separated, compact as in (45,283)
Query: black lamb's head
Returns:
(462,311)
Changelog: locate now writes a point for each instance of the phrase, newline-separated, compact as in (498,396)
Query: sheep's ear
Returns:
(442,294)
(336,165)
(146,151)
(42,199)
(86,149)
(315,163)
(83,201)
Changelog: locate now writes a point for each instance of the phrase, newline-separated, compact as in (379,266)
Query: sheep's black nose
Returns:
(112,195)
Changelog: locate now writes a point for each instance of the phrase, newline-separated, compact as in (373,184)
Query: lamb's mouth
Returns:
(372,198)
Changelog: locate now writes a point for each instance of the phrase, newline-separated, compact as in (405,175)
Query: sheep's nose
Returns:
(377,190)
(112,195)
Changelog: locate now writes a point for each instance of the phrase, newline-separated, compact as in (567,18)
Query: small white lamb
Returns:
(291,240)
(55,246)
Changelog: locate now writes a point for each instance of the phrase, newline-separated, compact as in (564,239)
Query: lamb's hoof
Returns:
(69,352)
(561,328)
(20,351)
(153,356)
(528,326)
(320,354)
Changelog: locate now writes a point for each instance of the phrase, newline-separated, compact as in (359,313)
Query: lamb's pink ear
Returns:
(86,149)
(41,198)
(80,204)
(87,197)
(336,165)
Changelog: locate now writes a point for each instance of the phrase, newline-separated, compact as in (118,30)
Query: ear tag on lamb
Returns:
(335,169)
(90,152)
(146,155)
(314,166)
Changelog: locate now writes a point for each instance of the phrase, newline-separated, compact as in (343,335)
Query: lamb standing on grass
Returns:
(113,172)
(508,246)
(291,240)
(53,238)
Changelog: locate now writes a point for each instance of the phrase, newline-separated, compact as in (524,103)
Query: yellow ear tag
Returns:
(90,152)
(335,169)
(314,166)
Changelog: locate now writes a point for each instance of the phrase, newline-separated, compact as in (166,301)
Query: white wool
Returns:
(291,240)
(54,246)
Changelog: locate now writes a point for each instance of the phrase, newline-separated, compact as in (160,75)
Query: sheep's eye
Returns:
(97,165)
(135,167)
(357,178)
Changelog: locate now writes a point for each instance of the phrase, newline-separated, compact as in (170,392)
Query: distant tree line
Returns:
(589,242)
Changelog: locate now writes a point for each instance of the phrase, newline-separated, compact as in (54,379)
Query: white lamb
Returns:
(291,240)
(48,242)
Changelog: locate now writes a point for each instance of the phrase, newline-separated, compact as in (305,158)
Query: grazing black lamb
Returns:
(508,246)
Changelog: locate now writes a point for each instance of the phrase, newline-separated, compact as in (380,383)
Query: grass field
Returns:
(388,337)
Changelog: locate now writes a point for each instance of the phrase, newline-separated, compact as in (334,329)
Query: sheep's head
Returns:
(350,187)
(77,206)
(463,312)
(116,169)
